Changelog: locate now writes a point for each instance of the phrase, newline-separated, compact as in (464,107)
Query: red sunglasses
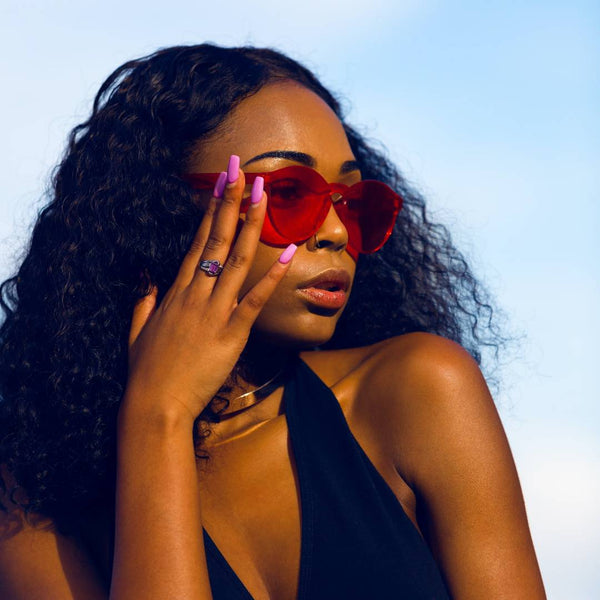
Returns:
(300,199)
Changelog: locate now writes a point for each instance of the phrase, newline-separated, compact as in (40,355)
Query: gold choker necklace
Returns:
(266,388)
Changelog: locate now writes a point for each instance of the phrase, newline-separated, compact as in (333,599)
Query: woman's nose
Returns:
(332,234)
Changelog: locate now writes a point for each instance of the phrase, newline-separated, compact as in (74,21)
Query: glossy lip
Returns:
(329,278)
(323,298)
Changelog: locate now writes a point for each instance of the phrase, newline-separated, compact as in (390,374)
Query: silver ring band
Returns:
(212,268)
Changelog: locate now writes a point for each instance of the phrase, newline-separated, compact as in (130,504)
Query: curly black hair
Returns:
(119,208)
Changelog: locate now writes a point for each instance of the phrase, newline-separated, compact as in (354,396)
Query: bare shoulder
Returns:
(432,411)
(391,371)
(409,390)
(36,562)
(423,386)
(390,353)
(420,359)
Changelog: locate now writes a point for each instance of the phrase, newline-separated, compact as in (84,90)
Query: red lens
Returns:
(298,202)
(368,209)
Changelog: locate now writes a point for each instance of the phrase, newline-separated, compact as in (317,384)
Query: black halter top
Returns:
(357,542)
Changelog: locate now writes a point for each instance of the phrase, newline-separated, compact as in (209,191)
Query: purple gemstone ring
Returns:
(212,268)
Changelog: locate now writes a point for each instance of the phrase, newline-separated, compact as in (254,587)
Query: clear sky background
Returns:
(490,108)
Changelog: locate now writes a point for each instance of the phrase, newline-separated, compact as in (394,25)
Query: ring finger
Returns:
(229,193)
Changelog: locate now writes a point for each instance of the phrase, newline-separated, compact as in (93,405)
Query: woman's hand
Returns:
(181,352)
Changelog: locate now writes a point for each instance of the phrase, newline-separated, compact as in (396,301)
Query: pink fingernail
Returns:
(287,254)
(257,190)
(233,168)
(220,185)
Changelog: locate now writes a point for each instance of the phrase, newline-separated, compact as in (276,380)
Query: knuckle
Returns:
(253,223)
(215,241)
(210,209)
(236,261)
(273,276)
(254,301)
(230,197)
(196,246)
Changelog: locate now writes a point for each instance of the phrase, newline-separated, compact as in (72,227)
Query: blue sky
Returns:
(490,108)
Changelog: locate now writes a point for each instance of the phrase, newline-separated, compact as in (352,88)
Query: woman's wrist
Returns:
(158,414)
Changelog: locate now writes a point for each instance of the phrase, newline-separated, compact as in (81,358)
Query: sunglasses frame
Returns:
(332,194)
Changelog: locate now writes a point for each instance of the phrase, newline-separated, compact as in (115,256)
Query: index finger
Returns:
(254,300)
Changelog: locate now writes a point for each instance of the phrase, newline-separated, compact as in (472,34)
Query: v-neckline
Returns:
(306,500)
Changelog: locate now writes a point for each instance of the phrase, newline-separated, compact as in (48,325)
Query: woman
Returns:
(187,380)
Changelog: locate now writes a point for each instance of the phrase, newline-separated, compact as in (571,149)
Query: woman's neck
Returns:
(259,372)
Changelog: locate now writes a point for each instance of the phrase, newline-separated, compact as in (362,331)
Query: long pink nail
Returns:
(220,185)
(257,190)
(287,254)
(233,168)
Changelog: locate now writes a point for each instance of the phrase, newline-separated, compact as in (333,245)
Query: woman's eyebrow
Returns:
(349,166)
(302,158)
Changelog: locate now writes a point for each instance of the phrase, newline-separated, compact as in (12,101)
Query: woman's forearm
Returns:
(159,546)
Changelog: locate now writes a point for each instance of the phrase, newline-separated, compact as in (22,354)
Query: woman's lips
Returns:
(324,298)
(338,278)
(327,289)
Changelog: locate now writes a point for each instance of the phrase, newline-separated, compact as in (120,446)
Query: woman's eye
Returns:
(286,190)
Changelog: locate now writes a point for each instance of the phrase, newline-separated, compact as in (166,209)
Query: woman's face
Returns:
(288,118)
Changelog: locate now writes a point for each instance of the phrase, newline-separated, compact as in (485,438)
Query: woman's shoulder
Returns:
(411,390)
(422,364)
(427,404)
(397,362)
(428,391)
